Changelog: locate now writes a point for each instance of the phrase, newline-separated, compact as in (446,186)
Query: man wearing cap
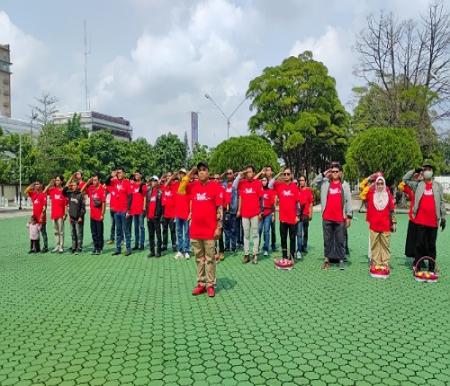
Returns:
(153,213)
(206,225)
(428,211)
(181,218)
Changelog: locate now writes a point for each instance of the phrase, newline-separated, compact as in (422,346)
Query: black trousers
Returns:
(305,235)
(334,240)
(97,234)
(169,224)
(154,231)
(76,230)
(113,225)
(410,246)
(44,235)
(426,244)
(273,237)
(35,245)
(284,230)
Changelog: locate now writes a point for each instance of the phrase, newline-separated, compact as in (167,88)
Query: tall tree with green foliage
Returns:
(170,153)
(297,107)
(390,150)
(237,152)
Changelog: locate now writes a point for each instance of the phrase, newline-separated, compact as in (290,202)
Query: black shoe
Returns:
(304,250)
(174,248)
(141,248)
(31,251)
(94,252)
(158,254)
(163,248)
(44,250)
(135,248)
(80,250)
(151,254)
(127,253)
(347,252)
(116,253)
(99,252)
(73,251)
(341,265)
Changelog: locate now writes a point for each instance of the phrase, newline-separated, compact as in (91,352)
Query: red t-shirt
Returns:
(39,200)
(426,213)
(81,184)
(152,204)
(410,193)
(181,203)
(205,200)
(288,196)
(137,200)
(112,198)
(379,220)
(121,189)
(59,203)
(228,193)
(97,193)
(250,193)
(268,201)
(334,210)
(168,200)
(306,199)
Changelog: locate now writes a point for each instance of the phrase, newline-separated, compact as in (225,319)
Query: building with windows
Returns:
(5,81)
(119,127)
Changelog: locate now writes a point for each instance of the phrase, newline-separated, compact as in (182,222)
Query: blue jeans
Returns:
(182,235)
(139,230)
(229,229)
(122,225)
(264,225)
(299,236)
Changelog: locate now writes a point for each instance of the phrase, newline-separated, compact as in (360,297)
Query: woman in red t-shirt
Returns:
(39,201)
(58,210)
(381,219)
(268,214)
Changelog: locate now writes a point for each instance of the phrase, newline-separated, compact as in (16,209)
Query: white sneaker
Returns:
(266,253)
(56,249)
(179,255)
(61,250)
(187,256)
(299,255)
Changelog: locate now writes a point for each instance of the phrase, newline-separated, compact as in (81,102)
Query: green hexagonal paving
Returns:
(104,320)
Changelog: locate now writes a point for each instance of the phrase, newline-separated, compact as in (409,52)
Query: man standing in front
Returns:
(428,213)
(337,214)
(206,225)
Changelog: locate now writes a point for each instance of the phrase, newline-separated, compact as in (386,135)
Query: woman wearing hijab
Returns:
(381,219)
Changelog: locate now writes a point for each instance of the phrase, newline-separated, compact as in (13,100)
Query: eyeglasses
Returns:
(335,171)
(286,174)
(230,173)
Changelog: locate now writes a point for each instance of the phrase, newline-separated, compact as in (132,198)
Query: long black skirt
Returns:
(410,247)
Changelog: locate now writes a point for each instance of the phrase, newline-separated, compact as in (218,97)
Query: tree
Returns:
(170,153)
(390,150)
(408,61)
(237,152)
(199,153)
(44,110)
(298,109)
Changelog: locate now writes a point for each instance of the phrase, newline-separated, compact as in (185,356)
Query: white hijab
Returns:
(380,199)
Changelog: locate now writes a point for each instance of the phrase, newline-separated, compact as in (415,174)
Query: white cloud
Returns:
(334,49)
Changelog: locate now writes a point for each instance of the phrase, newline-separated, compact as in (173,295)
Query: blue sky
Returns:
(152,61)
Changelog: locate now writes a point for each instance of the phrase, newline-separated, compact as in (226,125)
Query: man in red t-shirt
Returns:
(121,187)
(58,211)
(168,220)
(206,225)
(153,213)
(181,202)
(428,212)
(39,201)
(250,208)
(307,203)
(337,213)
(265,224)
(139,189)
(97,204)
(290,210)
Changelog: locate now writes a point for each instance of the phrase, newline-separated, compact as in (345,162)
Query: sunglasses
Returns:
(286,174)
(335,171)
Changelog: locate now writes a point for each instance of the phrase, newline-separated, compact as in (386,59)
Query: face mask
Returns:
(427,174)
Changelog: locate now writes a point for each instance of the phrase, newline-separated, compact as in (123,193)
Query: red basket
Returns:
(380,273)
(285,264)
(426,276)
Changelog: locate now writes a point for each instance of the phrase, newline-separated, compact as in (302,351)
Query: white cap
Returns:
(155,178)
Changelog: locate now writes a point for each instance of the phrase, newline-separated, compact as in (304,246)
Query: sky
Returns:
(153,61)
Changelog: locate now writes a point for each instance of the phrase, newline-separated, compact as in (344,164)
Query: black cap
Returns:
(202,164)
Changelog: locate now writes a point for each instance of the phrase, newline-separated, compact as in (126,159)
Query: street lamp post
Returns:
(20,171)
(227,117)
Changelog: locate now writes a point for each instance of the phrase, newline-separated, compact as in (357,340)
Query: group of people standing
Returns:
(219,213)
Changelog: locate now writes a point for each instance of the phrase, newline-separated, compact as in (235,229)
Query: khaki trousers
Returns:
(206,262)
(379,243)
(59,232)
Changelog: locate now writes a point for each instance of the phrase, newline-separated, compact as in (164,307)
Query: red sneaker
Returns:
(200,289)
(211,291)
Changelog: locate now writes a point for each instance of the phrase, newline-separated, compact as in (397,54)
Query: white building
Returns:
(19,126)
(119,127)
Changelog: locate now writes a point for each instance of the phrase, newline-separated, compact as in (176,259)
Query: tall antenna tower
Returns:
(86,53)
